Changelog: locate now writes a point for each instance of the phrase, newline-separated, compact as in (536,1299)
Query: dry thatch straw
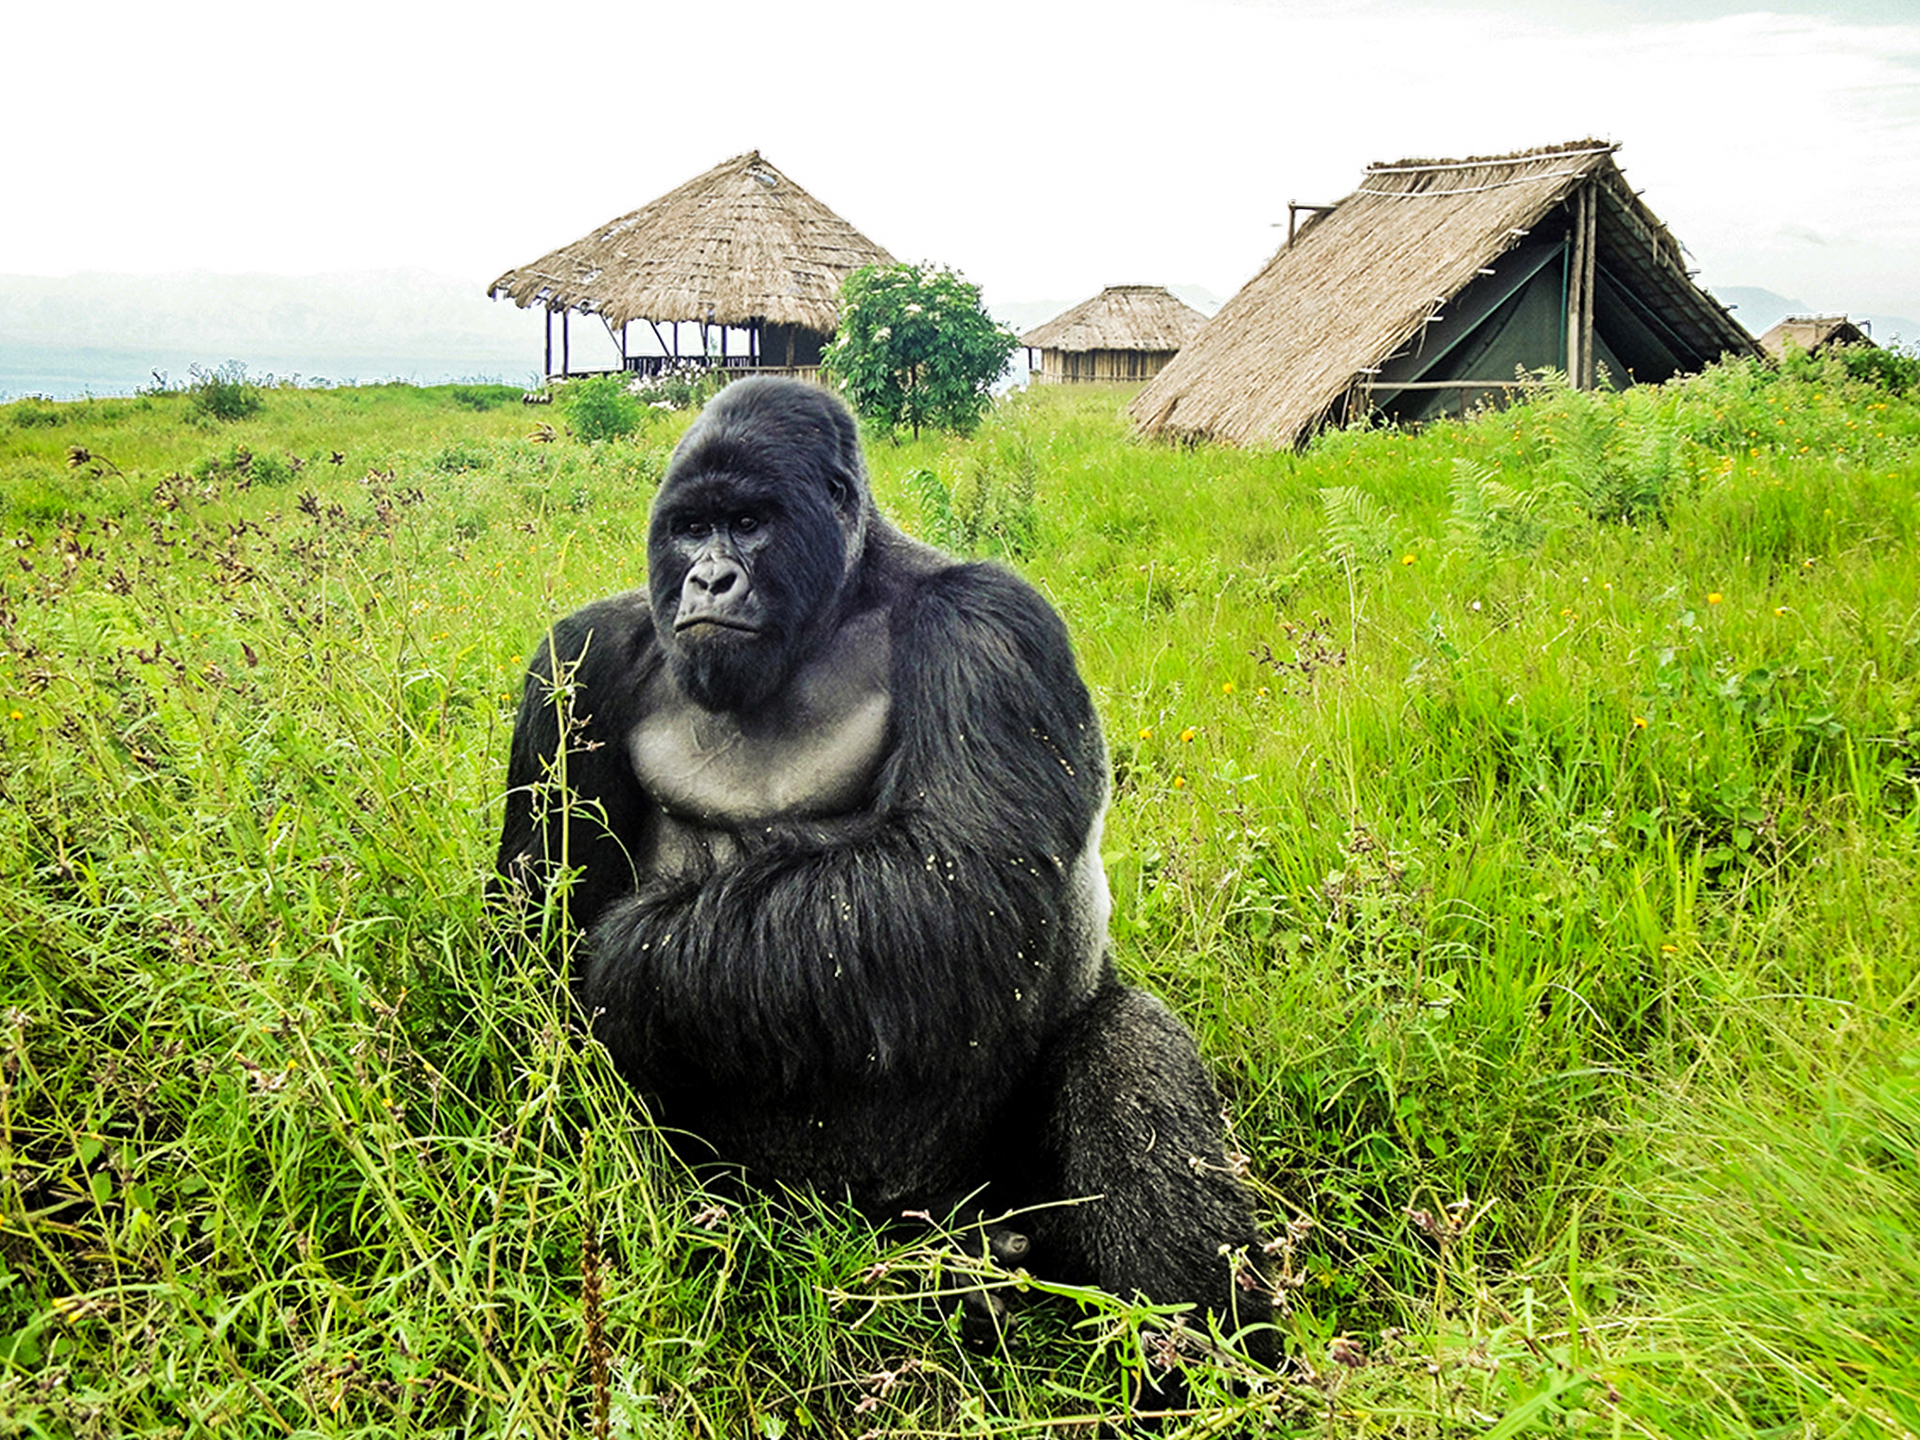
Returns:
(1811,333)
(1120,317)
(738,244)
(1362,280)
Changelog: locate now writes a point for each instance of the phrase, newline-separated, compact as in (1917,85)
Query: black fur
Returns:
(904,995)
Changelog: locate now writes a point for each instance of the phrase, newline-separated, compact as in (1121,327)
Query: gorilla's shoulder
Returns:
(615,632)
(984,599)
(979,627)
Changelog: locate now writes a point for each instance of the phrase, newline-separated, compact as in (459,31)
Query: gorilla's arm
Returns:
(569,804)
(939,931)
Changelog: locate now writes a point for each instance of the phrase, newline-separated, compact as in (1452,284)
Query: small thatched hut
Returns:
(739,247)
(1812,333)
(1429,285)
(1126,332)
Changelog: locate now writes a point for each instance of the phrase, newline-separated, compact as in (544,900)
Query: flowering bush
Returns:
(914,347)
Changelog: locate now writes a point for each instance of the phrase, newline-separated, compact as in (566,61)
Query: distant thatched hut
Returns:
(1126,332)
(739,247)
(1429,285)
(1812,333)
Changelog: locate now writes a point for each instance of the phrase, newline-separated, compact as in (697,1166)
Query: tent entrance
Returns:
(1508,321)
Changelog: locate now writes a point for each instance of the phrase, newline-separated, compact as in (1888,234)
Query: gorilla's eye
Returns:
(694,528)
(747,524)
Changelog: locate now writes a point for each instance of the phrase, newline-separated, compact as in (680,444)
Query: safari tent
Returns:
(739,248)
(1812,333)
(1126,332)
(1429,286)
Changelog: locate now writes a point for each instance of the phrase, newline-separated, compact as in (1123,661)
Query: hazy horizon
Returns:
(104,334)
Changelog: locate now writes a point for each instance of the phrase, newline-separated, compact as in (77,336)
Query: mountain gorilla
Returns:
(830,805)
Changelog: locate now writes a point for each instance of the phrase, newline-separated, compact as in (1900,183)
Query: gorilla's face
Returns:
(753,533)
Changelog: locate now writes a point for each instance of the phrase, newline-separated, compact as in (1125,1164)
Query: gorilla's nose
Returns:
(714,578)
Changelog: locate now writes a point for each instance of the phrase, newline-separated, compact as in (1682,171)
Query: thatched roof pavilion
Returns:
(1427,286)
(1812,333)
(741,246)
(1126,332)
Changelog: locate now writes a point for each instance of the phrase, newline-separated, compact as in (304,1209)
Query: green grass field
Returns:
(1525,815)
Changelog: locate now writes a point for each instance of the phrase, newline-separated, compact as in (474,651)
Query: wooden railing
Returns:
(733,368)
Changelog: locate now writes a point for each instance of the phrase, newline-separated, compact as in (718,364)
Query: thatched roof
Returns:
(737,244)
(1120,317)
(1362,280)
(1811,333)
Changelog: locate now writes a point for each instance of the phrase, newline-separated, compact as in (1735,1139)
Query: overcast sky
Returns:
(1045,149)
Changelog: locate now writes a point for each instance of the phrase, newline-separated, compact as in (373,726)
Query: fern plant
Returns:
(992,510)
(1493,515)
(1356,527)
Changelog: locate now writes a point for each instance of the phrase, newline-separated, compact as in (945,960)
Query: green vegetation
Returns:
(600,407)
(1524,813)
(916,348)
(223,393)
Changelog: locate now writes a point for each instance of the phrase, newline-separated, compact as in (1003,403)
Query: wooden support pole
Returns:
(1590,249)
(566,343)
(1576,280)
(1294,209)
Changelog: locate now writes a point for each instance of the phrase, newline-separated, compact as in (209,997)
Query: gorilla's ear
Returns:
(840,487)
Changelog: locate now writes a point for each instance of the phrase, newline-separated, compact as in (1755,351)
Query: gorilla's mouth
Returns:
(718,622)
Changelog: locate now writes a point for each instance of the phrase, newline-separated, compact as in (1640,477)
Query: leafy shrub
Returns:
(915,347)
(269,470)
(223,394)
(34,413)
(600,407)
(1890,368)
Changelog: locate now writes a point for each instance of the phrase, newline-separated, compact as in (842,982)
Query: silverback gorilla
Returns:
(830,802)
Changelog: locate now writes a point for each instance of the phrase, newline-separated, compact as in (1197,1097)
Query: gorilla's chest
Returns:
(814,753)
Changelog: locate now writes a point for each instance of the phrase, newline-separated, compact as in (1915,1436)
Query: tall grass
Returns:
(1523,813)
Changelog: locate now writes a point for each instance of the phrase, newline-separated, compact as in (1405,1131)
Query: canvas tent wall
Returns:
(739,248)
(1429,286)
(1125,333)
